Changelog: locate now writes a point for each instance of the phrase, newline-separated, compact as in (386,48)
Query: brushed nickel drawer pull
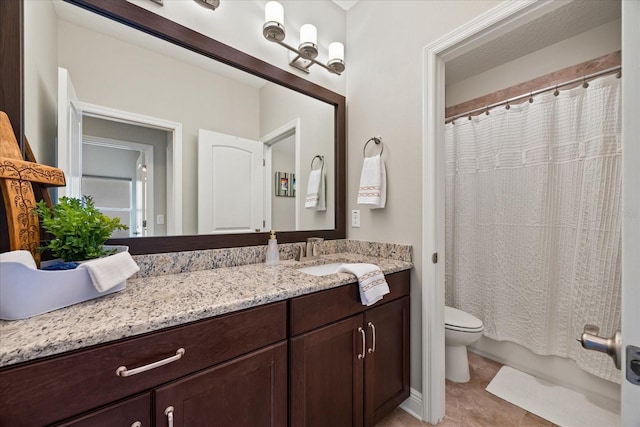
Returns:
(122,371)
(373,328)
(169,413)
(364,343)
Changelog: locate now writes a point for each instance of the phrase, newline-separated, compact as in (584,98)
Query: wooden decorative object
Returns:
(16,176)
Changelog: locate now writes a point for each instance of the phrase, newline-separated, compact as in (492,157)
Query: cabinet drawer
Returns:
(312,311)
(125,413)
(51,390)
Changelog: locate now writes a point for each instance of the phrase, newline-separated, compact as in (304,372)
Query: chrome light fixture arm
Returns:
(305,55)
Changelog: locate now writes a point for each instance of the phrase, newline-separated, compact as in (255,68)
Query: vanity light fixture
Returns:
(209,4)
(306,53)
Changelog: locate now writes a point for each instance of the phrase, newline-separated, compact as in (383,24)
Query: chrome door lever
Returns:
(611,346)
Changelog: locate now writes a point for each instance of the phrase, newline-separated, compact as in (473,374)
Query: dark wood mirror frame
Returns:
(12,102)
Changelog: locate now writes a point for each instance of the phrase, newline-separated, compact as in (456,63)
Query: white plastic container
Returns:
(26,291)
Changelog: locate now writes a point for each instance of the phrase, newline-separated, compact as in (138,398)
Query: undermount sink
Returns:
(321,270)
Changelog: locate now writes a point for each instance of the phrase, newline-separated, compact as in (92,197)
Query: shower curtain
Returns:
(533,220)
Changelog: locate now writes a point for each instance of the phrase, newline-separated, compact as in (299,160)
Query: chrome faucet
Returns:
(310,249)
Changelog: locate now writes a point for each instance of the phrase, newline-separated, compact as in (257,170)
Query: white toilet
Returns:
(460,330)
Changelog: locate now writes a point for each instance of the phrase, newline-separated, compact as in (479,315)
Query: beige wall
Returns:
(40,78)
(384,97)
(239,25)
(580,48)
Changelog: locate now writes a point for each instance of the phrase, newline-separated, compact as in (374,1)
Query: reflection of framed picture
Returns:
(285,184)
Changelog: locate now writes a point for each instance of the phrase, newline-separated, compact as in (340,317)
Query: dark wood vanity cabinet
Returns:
(132,412)
(237,370)
(249,391)
(85,384)
(349,369)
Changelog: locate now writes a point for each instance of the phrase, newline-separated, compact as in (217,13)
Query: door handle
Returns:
(364,343)
(373,347)
(611,346)
(169,413)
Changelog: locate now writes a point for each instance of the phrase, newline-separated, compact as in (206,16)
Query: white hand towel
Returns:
(370,280)
(373,183)
(107,272)
(315,199)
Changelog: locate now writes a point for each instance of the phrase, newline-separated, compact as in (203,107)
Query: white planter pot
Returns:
(26,292)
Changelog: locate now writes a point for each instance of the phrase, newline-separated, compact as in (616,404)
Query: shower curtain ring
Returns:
(556,92)
(585,84)
(531,98)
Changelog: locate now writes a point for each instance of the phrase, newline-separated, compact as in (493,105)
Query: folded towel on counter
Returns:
(316,199)
(107,272)
(373,183)
(370,280)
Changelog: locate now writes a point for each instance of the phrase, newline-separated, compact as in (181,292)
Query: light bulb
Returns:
(336,57)
(308,41)
(274,12)
(273,28)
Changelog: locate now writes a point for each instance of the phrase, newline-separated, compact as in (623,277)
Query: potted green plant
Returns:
(79,230)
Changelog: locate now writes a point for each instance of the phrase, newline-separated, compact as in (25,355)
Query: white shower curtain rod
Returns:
(535,92)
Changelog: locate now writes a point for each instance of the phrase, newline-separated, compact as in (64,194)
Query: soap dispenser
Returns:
(273,256)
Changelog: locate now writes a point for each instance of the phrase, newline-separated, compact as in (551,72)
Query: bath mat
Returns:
(561,406)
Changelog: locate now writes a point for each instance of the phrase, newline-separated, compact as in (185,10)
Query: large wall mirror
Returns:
(192,143)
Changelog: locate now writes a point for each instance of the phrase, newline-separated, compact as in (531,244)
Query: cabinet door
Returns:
(326,376)
(135,411)
(249,391)
(387,366)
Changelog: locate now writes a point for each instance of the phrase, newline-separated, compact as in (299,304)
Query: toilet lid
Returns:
(459,319)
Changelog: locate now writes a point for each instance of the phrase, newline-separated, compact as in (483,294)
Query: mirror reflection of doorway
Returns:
(119,175)
(150,148)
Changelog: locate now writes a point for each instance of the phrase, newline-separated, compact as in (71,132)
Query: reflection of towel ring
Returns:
(318,156)
(375,139)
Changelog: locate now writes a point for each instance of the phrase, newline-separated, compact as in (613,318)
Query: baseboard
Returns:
(413,405)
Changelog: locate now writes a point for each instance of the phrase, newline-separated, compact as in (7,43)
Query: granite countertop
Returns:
(152,303)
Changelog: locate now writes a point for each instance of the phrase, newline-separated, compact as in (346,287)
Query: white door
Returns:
(69,147)
(630,204)
(230,184)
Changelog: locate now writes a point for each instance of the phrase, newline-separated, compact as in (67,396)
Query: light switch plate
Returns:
(355,218)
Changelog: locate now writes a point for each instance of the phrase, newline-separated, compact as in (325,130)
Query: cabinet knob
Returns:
(136,424)
(364,343)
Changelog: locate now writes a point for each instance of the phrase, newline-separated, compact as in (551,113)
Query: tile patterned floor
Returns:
(469,404)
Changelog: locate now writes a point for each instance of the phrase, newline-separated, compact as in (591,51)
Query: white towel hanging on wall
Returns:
(373,183)
(315,199)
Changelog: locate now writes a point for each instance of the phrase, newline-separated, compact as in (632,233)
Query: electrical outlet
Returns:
(159,219)
(355,218)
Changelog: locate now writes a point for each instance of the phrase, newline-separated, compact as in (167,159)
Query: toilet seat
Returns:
(458,320)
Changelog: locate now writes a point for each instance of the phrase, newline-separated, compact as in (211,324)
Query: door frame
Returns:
(268,140)
(494,23)
(147,149)
(630,201)
(174,154)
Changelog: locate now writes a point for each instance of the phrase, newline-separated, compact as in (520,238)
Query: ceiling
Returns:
(345,4)
(566,21)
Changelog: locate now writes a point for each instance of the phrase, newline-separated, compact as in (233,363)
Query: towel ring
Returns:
(318,156)
(377,141)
